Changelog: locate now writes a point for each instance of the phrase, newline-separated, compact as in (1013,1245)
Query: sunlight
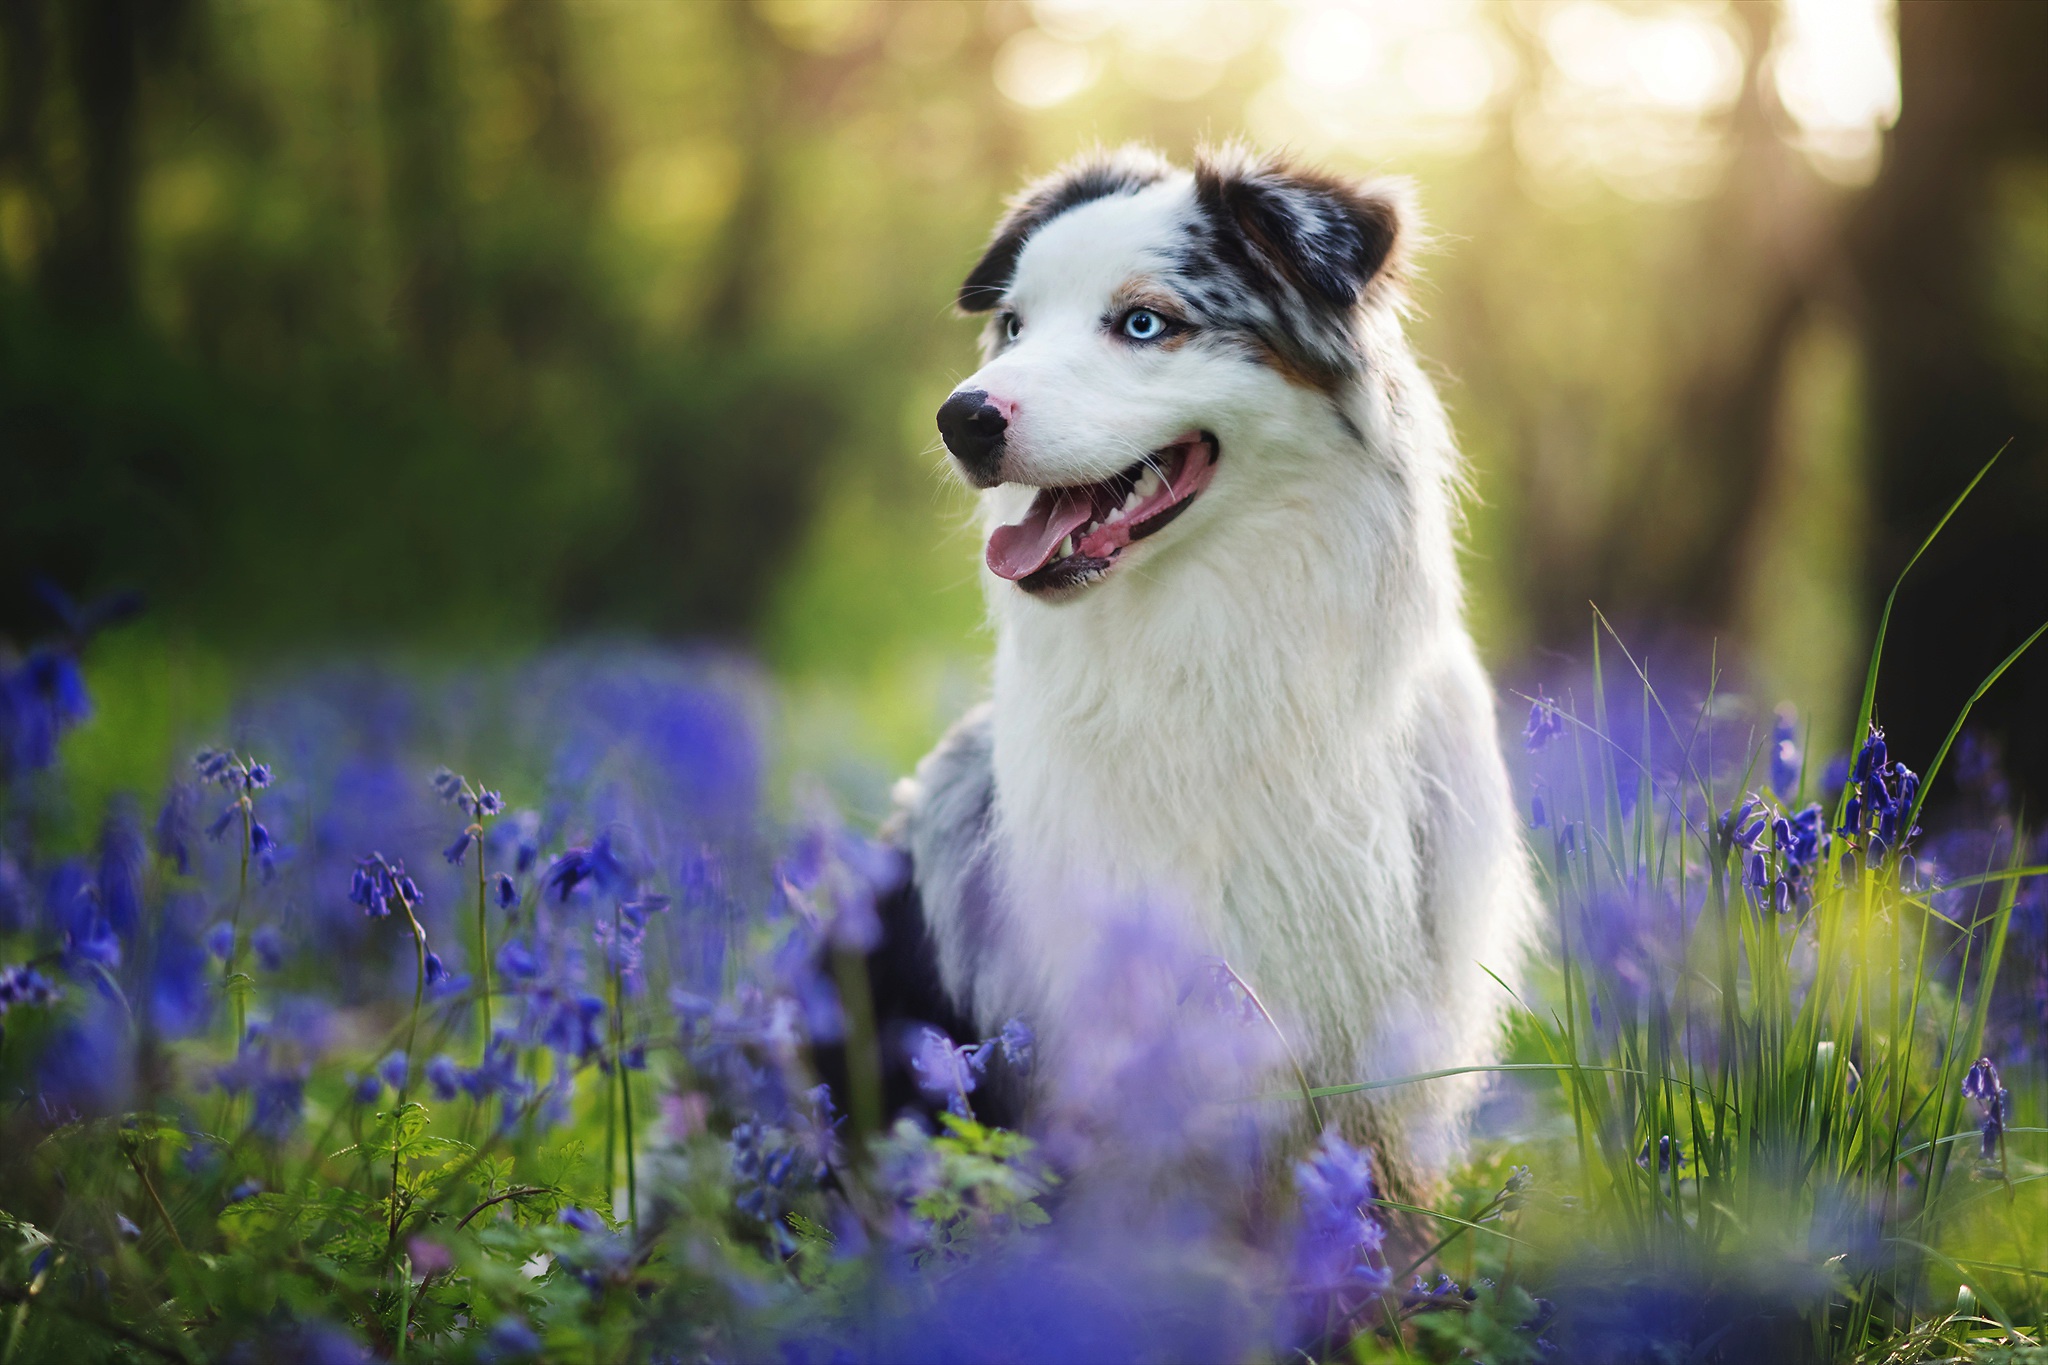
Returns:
(1835,68)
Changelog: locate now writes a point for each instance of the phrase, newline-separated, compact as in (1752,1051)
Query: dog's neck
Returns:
(1166,726)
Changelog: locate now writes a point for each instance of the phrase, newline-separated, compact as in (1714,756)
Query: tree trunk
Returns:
(1944,394)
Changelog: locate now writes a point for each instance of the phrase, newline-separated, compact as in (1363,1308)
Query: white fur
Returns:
(1270,714)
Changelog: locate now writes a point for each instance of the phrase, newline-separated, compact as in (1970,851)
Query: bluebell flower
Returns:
(39,700)
(510,1339)
(599,864)
(436,969)
(505,891)
(443,1077)
(259,839)
(489,803)
(280,1098)
(517,961)
(392,1070)
(1784,755)
(1669,1154)
(366,1089)
(581,1219)
(269,947)
(1018,1044)
(246,1189)
(1994,1104)
(220,822)
(1545,723)
(180,981)
(257,776)
(498,1072)
(570,1024)
(524,830)
(377,883)
(174,827)
(122,858)
(455,851)
(447,785)
(220,940)
(1338,1243)
(24,985)
(944,1070)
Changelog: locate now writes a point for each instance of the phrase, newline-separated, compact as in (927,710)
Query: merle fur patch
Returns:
(1096,176)
(1286,256)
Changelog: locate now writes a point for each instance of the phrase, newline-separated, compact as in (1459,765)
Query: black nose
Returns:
(973,429)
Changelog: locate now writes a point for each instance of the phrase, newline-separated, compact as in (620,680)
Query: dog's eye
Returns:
(1142,324)
(1012,326)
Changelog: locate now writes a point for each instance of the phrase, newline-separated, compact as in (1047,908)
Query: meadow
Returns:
(335,1053)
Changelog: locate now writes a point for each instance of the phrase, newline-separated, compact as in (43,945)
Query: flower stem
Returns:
(625,1095)
(483,936)
(237,1005)
(412,1032)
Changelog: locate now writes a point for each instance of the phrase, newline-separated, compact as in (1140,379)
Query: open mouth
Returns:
(1074,535)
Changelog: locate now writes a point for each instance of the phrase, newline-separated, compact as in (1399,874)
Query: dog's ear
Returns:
(1328,239)
(1096,175)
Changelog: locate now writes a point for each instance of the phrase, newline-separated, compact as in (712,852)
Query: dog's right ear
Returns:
(1096,175)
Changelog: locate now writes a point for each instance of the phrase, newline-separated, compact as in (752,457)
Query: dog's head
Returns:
(1146,325)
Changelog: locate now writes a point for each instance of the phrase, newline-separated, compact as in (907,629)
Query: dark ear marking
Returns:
(1327,238)
(1097,175)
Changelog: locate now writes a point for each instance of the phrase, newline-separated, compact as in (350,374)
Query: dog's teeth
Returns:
(1148,484)
(1131,499)
(1066,548)
(1116,514)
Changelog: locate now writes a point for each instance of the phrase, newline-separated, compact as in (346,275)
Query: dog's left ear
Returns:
(1328,238)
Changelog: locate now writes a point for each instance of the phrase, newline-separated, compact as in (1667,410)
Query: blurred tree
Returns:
(1949,262)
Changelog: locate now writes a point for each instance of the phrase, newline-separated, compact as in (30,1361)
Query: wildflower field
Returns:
(471,1020)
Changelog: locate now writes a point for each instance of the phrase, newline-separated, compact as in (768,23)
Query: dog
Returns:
(1232,674)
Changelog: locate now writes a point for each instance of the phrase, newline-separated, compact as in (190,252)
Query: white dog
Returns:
(1232,673)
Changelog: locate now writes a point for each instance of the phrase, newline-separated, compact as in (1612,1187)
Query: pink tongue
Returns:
(1022,548)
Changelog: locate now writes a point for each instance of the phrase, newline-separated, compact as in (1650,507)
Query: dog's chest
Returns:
(1250,801)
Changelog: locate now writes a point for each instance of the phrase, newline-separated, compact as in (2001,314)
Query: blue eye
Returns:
(1011,326)
(1142,324)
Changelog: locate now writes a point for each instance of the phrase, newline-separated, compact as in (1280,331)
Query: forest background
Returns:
(437,331)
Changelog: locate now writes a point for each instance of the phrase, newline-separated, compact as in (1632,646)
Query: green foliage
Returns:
(979,1185)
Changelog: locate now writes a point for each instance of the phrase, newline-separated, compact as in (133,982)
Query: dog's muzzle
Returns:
(973,430)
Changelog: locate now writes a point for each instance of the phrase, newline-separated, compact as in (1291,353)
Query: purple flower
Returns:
(1337,1247)
(583,1220)
(392,1070)
(437,970)
(1018,1044)
(1994,1103)
(1545,723)
(571,1024)
(946,1071)
(443,1077)
(24,985)
(505,891)
(1784,755)
(498,1072)
(447,785)
(599,864)
(516,960)
(378,883)
(174,829)
(269,947)
(455,851)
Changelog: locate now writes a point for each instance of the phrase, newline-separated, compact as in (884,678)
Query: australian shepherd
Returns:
(1232,673)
